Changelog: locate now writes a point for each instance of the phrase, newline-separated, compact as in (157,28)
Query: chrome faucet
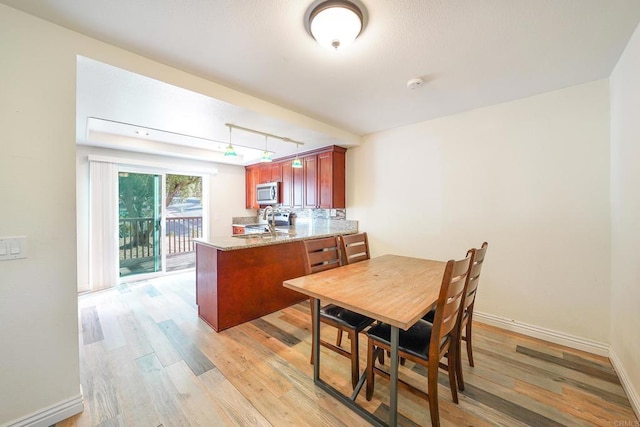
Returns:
(271,224)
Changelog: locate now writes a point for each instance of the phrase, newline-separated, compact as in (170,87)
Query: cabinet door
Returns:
(265,174)
(286,188)
(276,171)
(298,187)
(252,175)
(331,180)
(310,168)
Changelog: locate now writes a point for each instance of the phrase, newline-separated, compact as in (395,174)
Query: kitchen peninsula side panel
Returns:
(233,287)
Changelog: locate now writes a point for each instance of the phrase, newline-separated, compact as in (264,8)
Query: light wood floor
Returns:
(148,360)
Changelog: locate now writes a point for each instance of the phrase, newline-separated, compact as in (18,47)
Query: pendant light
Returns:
(336,23)
(266,156)
(230,151)
(297,163)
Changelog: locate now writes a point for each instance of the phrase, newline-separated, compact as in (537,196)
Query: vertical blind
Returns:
(103,229)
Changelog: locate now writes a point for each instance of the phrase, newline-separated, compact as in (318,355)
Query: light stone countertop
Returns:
(292,233)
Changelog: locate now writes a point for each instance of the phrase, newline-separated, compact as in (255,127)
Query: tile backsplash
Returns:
(308,215)
(301,215)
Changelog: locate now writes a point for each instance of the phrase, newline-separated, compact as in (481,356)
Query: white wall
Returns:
(38,305)
(625,215)
(531,177)
(38,300)
(225,198)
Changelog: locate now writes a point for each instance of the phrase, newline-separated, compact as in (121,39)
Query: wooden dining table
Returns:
(397,290)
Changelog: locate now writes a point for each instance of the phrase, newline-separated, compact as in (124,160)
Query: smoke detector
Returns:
(415,83)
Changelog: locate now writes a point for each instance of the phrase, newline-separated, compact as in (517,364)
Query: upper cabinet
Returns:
(331,179)
(320,183)
(270,172)
(311,181)
(252,178)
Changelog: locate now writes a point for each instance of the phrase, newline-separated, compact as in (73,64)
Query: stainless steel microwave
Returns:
(268,194)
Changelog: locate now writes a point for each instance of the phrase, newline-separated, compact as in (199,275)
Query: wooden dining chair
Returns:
(355,248)
(466,320)
(323,254)
(427,343)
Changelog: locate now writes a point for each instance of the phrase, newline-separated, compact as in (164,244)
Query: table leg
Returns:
(350,402)
(393,393)
(316,339)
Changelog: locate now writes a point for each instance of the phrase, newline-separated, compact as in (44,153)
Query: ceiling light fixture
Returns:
(336,23)
(230,151)
(266,156)
(297,163)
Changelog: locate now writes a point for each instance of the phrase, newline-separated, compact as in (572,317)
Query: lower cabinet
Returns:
(233,287)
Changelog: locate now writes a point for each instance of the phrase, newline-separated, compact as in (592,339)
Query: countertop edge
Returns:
(230,243)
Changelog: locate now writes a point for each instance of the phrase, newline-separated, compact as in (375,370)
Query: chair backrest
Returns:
(321,254)
(474,279)
(355,247)
(450,302)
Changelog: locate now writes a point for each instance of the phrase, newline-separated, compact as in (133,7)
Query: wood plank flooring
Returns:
(148,360)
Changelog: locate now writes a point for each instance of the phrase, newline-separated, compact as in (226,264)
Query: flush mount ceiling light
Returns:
(335,23)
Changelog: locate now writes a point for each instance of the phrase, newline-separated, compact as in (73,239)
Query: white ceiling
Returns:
(470,53)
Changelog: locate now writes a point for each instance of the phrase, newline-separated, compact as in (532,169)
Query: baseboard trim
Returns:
(543,334)
(634,399)
(52,414)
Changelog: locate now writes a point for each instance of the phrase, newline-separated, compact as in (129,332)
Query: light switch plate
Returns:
(13,248)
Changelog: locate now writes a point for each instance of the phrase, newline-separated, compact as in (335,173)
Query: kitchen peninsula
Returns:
(240,278)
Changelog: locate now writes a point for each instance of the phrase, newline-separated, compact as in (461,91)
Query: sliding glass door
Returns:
(159,215)
(184,210)
(140,220)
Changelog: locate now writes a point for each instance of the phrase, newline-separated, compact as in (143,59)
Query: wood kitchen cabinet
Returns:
(237,229)
(271,172)
(331,179)
(287,188)
(320,183)
(236,286)
(252,178)
(310,173)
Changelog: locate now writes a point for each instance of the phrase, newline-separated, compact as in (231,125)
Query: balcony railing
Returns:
(136,236)
(180,233)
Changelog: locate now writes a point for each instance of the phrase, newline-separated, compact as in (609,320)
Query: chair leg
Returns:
(355,362)
(370,373)
(459,364)
(468,339)
(432,378)
(451,368)
(339,338)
